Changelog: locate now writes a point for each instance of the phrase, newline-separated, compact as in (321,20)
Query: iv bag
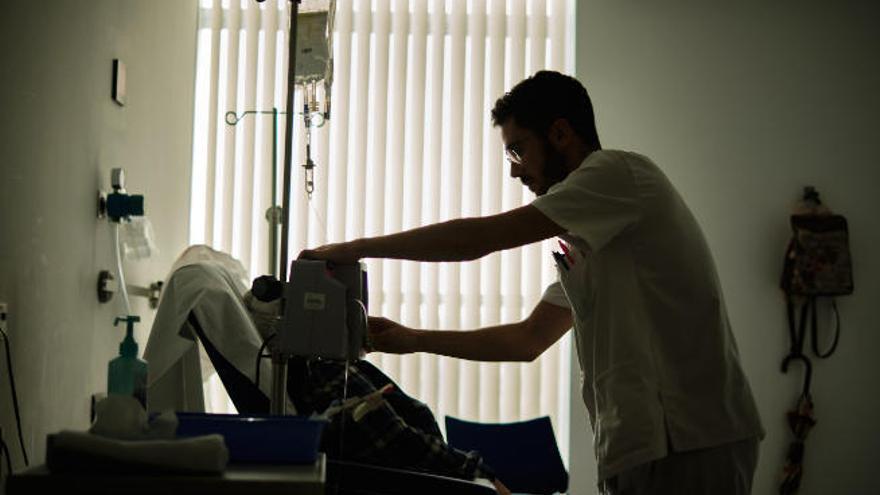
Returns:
(314,42)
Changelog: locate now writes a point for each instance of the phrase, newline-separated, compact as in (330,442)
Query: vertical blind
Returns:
(409,142)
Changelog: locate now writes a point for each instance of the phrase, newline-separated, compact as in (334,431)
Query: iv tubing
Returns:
(119,272)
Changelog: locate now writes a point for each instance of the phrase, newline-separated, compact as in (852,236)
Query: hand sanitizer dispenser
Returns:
(127,375)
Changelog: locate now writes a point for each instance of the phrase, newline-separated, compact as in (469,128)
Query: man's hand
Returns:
(389,336)
(343,252)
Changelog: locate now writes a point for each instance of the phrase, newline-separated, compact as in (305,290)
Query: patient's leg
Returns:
(401,432)
(414,412)
(248,399)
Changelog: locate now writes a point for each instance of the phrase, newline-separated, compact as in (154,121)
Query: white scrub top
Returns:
(660,365)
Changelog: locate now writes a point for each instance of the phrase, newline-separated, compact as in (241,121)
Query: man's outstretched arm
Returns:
(456,240)
(522,341)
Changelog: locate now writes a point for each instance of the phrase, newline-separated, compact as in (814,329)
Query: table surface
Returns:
(256,479)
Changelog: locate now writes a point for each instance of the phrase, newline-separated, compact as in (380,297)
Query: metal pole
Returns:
(278,402)
(279,360)
(272,215)
(288,144)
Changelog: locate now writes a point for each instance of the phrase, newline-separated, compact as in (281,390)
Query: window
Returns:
(409,142)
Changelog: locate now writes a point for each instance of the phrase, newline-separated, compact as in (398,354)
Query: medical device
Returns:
(325,311)
(132,237)
(324,316)
(314,67)
(310,53)
(119,205)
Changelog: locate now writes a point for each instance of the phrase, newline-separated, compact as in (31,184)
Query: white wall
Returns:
(742,104)
(61,135)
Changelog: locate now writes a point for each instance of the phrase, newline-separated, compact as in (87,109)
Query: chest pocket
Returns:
(575,278)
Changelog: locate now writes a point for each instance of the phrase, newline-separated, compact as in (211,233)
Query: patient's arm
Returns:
(521,341)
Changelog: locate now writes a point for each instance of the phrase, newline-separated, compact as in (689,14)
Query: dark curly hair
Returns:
(536,102)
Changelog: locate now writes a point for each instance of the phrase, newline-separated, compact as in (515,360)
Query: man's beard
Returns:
(554,166)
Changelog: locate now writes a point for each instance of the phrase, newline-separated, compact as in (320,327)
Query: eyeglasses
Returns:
(513,152)
(513,156)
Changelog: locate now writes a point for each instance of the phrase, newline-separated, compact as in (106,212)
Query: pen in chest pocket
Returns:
(560,260)
(567,252)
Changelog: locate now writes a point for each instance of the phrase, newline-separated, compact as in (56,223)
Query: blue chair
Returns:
(524,455)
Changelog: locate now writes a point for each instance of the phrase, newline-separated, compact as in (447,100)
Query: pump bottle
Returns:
(127,375)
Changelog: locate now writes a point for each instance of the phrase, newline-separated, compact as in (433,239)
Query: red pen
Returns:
(566,251)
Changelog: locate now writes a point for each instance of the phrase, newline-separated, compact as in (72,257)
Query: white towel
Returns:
(122,438)
(68,449)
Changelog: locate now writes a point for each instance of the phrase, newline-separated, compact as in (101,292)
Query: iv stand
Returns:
(278,399)
(279,360)
(274,214)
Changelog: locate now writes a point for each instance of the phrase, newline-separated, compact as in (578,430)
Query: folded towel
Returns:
(78,451)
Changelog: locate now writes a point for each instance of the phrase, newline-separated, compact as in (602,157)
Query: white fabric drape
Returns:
(409,142)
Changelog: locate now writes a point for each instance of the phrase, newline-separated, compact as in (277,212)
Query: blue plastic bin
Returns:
(259,438)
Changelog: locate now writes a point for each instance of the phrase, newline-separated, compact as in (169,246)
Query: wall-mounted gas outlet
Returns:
(4,314)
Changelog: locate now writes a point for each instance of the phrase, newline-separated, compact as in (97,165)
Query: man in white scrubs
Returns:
(669,404)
